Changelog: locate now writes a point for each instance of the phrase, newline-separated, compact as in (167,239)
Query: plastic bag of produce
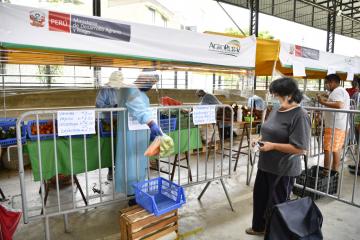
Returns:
(163,145)
(154,148)
(166,146)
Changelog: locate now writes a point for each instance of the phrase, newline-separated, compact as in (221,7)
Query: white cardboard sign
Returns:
(350,76)
(204,114)
(134,125)
(299,69)
(76,122)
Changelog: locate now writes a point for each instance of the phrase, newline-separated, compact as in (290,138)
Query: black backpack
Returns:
(295,219)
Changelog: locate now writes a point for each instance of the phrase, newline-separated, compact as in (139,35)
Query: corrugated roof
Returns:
(312,13)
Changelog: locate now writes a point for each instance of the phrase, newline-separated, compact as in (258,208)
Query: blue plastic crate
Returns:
(8,119)
(42,136)
(164,124)
(159,195)
(5,126)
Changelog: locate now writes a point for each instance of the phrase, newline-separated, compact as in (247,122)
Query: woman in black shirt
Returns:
(285,132)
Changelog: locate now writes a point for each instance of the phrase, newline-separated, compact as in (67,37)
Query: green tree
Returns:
(262,34)
(46,72)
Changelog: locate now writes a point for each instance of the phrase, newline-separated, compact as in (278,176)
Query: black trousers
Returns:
(263,185)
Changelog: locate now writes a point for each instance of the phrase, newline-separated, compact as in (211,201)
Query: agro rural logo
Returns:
(37,19)
(231,48)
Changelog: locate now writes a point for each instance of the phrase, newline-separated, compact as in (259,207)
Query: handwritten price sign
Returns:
(204,114)
(76,122)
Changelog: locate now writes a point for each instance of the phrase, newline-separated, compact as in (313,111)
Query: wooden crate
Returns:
(137,223)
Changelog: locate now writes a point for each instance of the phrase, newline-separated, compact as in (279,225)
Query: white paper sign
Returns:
(76,122)
(135,125)
(350,76)
(299,69)
(204,114)
(331,70)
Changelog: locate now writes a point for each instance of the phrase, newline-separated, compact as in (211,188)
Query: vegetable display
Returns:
(45,128)
(166,146)
(7,133)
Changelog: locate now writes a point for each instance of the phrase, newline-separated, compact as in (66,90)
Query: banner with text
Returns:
(312,59)
(43,29)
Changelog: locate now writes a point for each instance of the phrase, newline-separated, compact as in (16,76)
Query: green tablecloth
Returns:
(63,153)
(63,156)
(185,145)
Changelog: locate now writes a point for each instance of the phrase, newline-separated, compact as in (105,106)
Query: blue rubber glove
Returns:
(155,130)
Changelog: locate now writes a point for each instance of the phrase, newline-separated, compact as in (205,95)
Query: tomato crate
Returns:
(32,130)
(8,133)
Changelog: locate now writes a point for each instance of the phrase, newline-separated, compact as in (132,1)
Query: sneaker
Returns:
(251,231)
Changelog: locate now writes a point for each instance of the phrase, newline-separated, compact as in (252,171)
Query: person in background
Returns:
(285,132)
(356,120)
(354,87)
(207,98)
(338,99)
(210,99)
(107,97)
(130,162)
(355,96)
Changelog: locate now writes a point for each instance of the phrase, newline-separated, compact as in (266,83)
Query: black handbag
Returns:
(295,219)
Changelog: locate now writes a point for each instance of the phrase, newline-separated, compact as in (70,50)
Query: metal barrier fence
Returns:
(84,158)
(349,152)
(338,185)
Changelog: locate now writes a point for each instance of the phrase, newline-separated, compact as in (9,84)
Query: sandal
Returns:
(251,231)
(325,173)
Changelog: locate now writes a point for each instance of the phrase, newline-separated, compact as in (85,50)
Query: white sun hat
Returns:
(117,80)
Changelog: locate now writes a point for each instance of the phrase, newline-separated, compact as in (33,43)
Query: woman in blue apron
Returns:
(130,162)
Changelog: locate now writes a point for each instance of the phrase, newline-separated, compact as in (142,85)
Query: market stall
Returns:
(284,57)
(42,37)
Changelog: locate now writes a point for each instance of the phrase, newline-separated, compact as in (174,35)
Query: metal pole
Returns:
(331,26)
(242,32)
(214,81)
(3,71)
(97,8)
(227,194)
(21,169)
(97,70)
(175,79)
(48,75)
(254,17)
